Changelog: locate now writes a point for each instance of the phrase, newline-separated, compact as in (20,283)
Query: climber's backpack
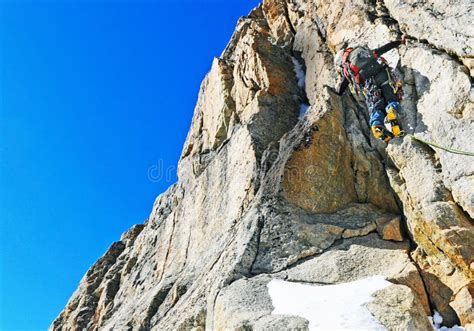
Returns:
(359,63)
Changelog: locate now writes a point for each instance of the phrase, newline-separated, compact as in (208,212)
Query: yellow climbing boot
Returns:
(381,133)
(391,115)
(396,130)
(392,119)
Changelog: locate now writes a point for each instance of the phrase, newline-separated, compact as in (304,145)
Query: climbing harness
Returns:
(450,150)
(351,72)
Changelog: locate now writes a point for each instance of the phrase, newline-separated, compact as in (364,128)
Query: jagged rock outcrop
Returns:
(265,193)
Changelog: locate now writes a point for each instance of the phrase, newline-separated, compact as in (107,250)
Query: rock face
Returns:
(266,193)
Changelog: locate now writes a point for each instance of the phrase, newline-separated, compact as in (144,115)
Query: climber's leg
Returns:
(376,106)
(393,107)
(382,80)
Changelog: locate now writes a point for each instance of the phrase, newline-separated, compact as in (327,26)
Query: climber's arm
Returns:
(341,87)
(391,45)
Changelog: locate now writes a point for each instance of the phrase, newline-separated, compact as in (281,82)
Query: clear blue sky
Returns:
(92,94)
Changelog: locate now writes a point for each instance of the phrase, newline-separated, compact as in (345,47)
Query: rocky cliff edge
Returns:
(281,179)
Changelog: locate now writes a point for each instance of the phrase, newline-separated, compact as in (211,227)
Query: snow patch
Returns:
(329,307)
(300,74)
(437,320)
(303,110)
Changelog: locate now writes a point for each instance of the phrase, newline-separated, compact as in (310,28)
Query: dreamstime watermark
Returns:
(159,173)
(290,173)
(297,174)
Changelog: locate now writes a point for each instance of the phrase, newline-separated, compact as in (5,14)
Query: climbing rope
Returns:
(450,150)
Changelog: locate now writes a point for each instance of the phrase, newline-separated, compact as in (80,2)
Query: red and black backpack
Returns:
(359,63)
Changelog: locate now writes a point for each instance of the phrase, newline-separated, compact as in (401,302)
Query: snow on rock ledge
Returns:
(338,306)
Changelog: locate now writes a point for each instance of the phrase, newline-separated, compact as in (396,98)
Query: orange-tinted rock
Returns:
(390,229)
(318,176)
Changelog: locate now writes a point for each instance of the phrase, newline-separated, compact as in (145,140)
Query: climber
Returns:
(366,71)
